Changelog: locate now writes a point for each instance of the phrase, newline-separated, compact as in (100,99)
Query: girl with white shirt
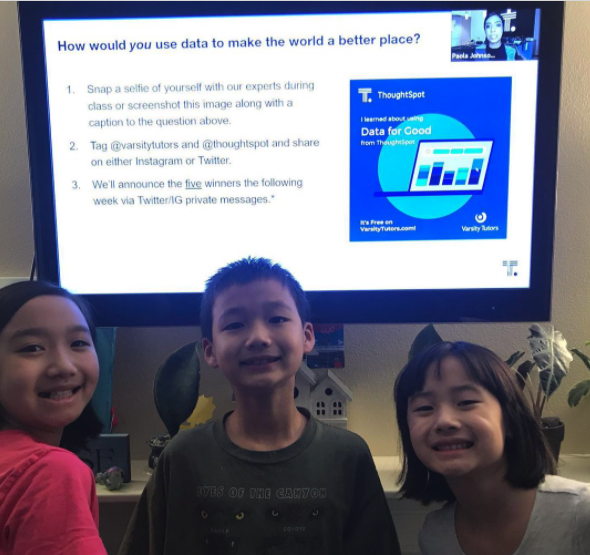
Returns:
(470,440)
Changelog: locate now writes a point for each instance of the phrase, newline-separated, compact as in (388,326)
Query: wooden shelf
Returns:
(576,467)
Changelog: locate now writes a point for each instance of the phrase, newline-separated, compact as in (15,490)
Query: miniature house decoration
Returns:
(304,383)
(330,395)
(324,395)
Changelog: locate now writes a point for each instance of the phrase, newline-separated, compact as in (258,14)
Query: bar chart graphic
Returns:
(449,167)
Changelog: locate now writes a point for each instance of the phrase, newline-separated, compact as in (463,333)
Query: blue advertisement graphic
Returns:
(429,158)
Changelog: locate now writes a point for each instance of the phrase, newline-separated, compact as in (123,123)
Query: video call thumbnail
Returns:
(481,36)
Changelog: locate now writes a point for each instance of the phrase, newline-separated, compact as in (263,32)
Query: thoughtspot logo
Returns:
(365,92)
(510,265)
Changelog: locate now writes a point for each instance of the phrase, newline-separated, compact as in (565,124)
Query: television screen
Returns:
(398,158)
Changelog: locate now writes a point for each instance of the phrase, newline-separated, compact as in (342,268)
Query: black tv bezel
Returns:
(394,306)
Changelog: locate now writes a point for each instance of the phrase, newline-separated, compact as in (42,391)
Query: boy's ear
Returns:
(309,337)
(209,353)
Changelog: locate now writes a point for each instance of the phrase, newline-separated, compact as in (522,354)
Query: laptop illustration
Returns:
(454,167)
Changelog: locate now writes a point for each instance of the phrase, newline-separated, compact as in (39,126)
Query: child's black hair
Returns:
(243,272)
(12,299)
(528,458)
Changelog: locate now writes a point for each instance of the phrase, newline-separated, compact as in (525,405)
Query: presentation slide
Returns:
(358,150)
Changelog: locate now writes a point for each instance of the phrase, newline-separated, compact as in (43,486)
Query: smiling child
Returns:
(48,373)
(469,439)
(269,478)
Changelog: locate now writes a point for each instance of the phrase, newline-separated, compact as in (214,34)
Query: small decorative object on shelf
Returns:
(106,451)
(203,412)
(329,347)
(157,443)
(112,478)
(329,398)
(323,394)
(305,381)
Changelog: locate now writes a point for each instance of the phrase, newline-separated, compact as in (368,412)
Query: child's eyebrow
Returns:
(42,332)
(277,304)
(420,395)
(80,328)
(457,389)
(29,332)
(238,310)
(465,387)
(231,312)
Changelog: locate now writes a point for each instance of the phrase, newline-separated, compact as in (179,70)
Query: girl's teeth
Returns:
(61,394)
(451,447)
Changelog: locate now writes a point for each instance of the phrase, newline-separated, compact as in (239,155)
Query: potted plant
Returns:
(551,358)
(581,389)
(176,391)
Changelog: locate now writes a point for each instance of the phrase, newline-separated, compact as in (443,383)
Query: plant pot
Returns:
(157,443)
(554,432)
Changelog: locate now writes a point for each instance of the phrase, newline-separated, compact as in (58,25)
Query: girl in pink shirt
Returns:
(48,373)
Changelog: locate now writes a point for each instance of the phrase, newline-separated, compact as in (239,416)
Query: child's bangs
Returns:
(482,366)
(412,378)
(486,369)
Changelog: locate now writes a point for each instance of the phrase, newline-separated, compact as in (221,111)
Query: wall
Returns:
(374,353)
(16,236)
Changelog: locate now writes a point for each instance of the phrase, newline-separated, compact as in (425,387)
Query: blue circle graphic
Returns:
(397,162)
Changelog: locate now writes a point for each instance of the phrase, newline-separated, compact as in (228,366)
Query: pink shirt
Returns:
(48,502)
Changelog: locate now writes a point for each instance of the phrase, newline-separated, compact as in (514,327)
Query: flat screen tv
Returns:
(398,158)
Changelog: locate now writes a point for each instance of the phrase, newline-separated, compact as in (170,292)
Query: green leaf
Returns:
(550,352)
(523,371)
(583,357)
(426,338)
(176,387)
(587,343)
(579,391)
(514,358)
